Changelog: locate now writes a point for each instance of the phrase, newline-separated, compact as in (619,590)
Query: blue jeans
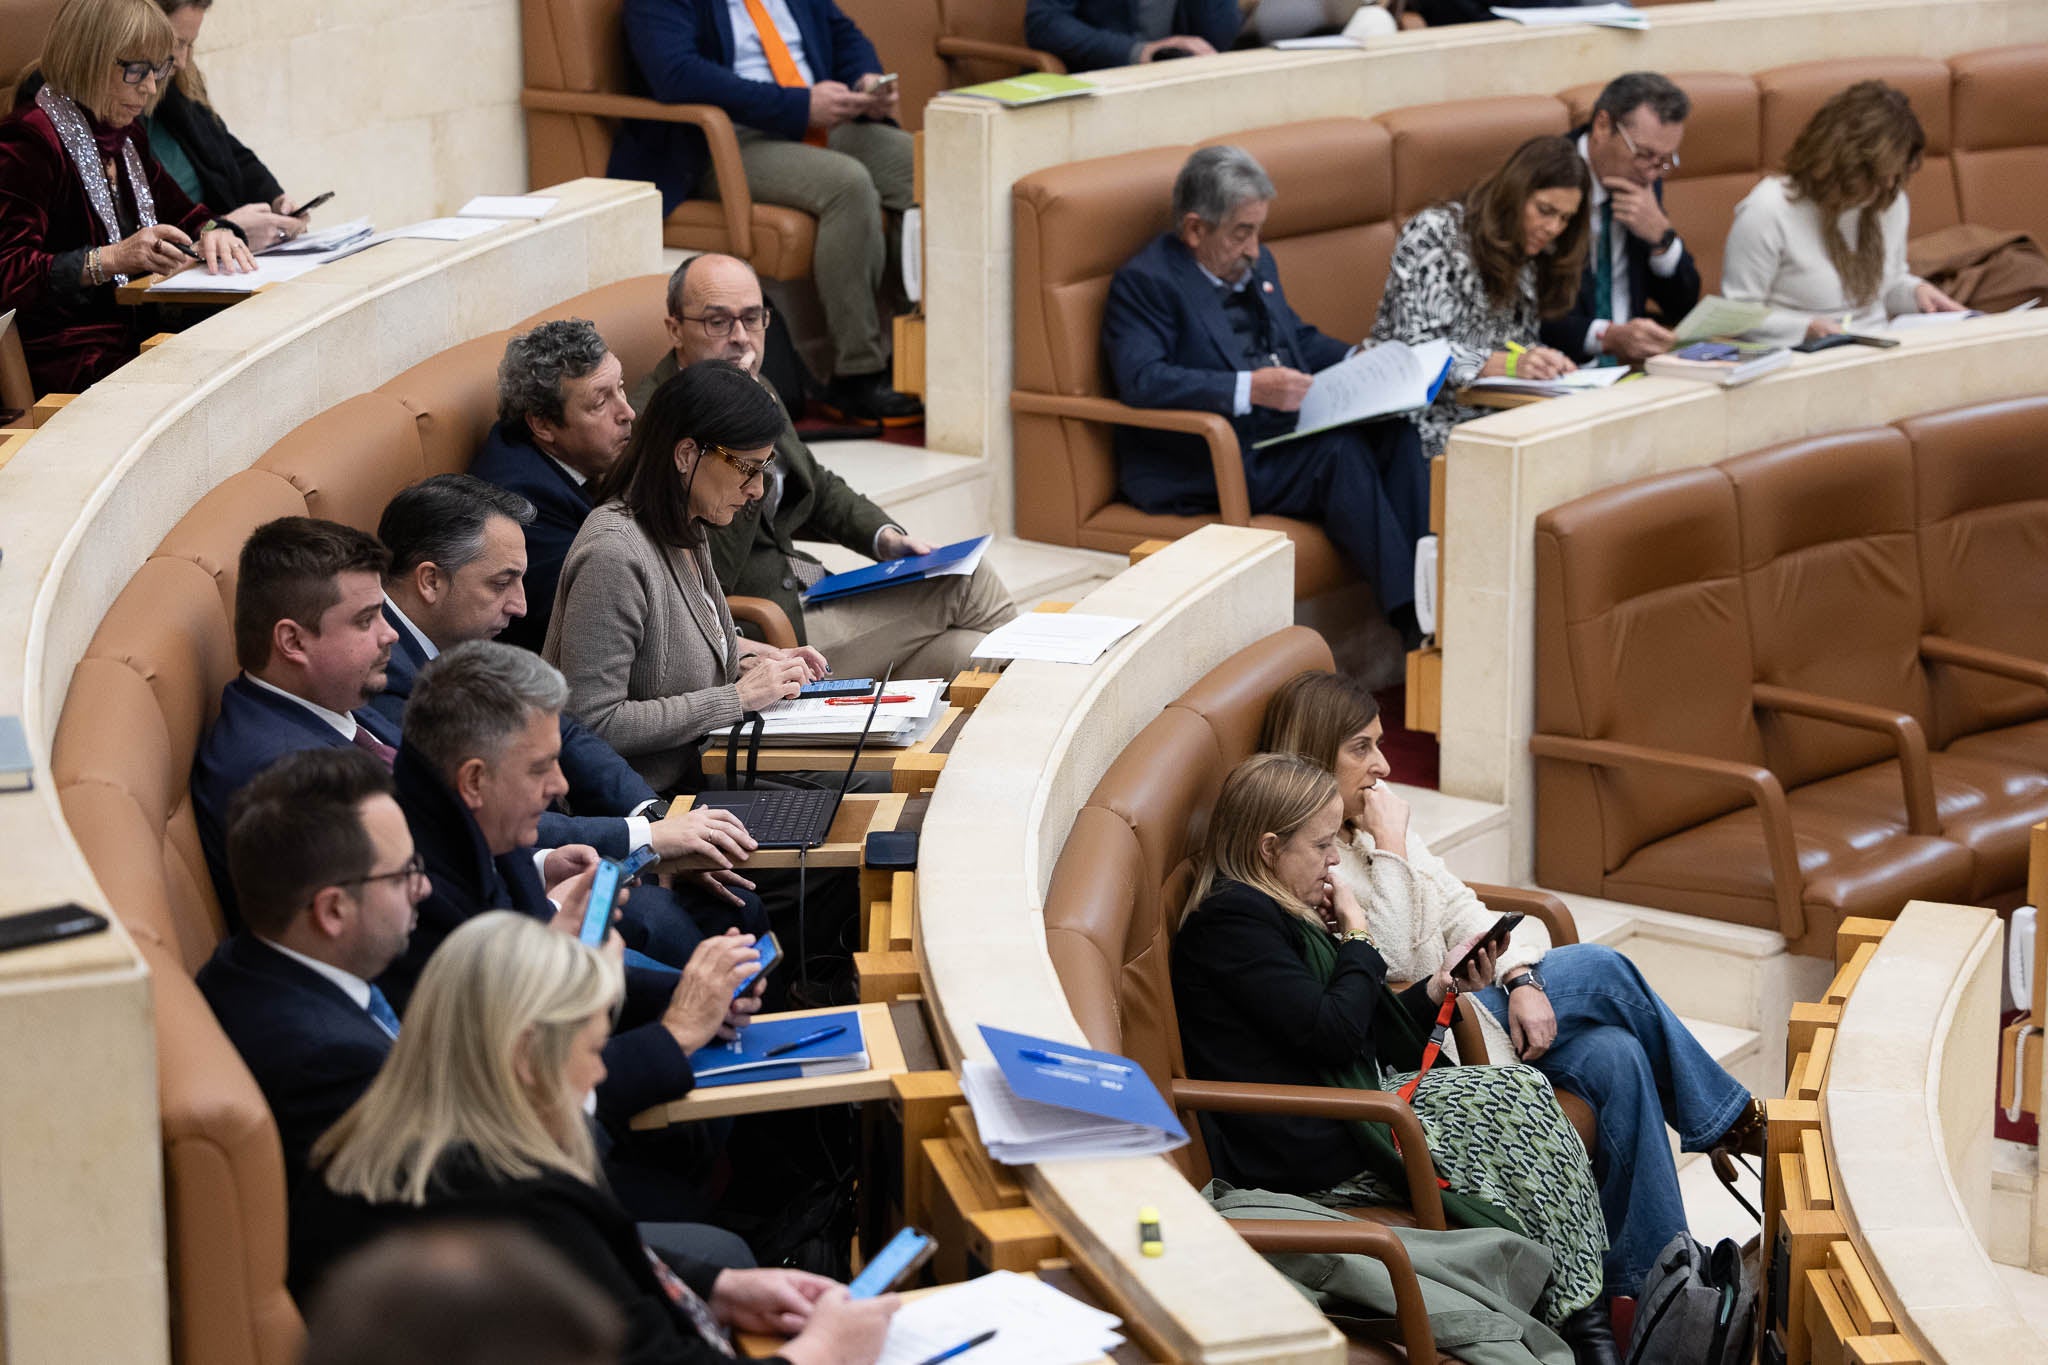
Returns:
(1623,1051)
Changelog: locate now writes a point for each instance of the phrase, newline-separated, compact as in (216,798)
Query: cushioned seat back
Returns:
(1641,638)
(1831,579)
(1442,150)
(629,316)
(1999,103)
(1718,163)
(906,37)
(1075,226)
(1983,536)
(212,533)
(453,398)
(578,46)
(350,459)
(1791,95)
(991,21)
(1331,228)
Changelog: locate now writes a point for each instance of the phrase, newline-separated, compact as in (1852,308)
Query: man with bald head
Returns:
(925,630)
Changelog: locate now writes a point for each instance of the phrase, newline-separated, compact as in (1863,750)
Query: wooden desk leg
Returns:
(922,1099)
(887,976)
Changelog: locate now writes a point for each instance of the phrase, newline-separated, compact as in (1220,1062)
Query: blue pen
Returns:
(820,1036)
(1039,1054)
(963,1347)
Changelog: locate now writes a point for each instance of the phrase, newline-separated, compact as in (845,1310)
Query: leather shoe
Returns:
(868,398)
(1590,1333)
(1746,1136)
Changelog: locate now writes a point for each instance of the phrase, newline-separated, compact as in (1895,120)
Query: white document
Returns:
(1319,42)
(446,229)
(508,206)
(1021,1132)
(1714,316)
(1604,16)
(269,270)
(912,235)
(326,240)
(1034,1324)
(1386,377)
(1055,637)
(923,694)
(1906,322)
(1586,377)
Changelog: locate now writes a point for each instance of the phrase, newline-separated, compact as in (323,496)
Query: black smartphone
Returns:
(53,925)
(837,687)
(1834,339)
(891,850)
(1495,940)
(315,202)
(893,1264)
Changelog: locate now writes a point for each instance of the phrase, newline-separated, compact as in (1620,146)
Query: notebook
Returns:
(746,1058)
(960,558)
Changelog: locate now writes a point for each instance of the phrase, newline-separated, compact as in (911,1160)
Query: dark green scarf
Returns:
(1397,1045)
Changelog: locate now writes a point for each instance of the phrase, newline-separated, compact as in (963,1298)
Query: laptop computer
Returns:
(794,817)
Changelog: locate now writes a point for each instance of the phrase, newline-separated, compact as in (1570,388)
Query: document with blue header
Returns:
(963,557)
(1378,380)
(807,1045)
(1044,1100)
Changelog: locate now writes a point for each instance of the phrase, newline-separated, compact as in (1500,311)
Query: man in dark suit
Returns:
(458,557)
(922,630)
(1636,258)
(313,643)
(1197,319)
(563,422)
(1091,34)
(817,132)
(326,878)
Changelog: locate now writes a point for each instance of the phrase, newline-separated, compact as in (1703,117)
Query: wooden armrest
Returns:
(1537,905)
(1760,784)
(1027,58)
(1978,659)
(1281,1236)
(1225,459)
(765,617)
(1907,737)
(733,196)
(1327,1102)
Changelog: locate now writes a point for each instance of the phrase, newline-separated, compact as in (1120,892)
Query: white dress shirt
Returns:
(342,723)
(352,985)
(749,62)
(419,637)
(1663,264)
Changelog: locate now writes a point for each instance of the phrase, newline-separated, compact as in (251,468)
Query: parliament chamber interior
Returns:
(1735,692)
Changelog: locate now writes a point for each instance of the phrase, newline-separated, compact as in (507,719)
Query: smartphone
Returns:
(837,687)
(1834,339)
(637,859)
(604,891)
(57,923)
(771,953)
(315,202)
(907,1251)
(1496,939)
(883,84)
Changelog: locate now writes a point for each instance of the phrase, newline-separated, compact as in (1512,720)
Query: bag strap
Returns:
(734,780)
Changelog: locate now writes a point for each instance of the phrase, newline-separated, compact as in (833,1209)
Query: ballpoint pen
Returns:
(964,1346)
(1039,1054)
(820,1036)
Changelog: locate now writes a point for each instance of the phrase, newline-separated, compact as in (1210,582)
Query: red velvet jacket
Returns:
(72,335)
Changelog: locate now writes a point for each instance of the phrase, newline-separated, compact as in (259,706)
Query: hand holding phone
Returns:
(315,202)
(1495,940)
(771,953)
(893,1264)
(604,893)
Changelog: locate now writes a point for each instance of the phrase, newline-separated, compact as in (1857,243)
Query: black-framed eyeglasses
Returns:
(415,866)
(720,324)
(749,469)
(1649,161)
(135,73)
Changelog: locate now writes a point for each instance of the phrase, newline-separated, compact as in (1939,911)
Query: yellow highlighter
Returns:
(1516,350)
(1149,1240)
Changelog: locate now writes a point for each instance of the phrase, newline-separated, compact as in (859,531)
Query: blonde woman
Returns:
(1266,992)
(1581,1014)
(479,1115)
(1825,243)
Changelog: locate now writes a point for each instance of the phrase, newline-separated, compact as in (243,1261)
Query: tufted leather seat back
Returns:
(1791,95)
(453,399)
(1999,103)
(628,315)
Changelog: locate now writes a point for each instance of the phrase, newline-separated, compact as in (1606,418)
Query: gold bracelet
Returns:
(93,273)
(1358,936)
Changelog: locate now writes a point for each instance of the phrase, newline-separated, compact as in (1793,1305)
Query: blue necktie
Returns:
(380,1010)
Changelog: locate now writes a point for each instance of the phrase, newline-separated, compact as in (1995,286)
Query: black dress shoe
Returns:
(1590,1334)
(868,398)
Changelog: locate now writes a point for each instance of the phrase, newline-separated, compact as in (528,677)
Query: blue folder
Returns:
(891,572)
(745,1059)
(1091,1082)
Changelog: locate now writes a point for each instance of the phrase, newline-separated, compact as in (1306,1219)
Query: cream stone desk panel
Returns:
(82,504)
(1507,468)
(1906,1118)
(1033,752)
(975,150)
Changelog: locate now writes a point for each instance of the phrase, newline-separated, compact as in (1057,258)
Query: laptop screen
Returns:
(881,690)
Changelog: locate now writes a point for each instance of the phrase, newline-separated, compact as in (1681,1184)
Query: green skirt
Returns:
(1496,1132)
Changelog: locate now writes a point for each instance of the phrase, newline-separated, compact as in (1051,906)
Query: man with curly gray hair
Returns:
(563,422)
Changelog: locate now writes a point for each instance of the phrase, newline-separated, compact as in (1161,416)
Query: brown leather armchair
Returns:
(983,40)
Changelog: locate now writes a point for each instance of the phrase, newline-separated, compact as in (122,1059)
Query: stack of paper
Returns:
(269,270)
(507,206)
(446,229)
(1605,16)
(328,243)
(1034,1324)
(1574,381)
(1385,377)
(1068,637)
(1042,1100)
(815,720)
(1906,322)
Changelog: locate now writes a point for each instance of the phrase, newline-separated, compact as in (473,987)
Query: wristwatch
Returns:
(1664,242)
(657,809)
(1532,975)
(1357,936)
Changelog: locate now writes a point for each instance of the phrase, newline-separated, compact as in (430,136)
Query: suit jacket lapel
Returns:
(1203,298)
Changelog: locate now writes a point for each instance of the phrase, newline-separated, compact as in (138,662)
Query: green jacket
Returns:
(1478,1284)
(752,554)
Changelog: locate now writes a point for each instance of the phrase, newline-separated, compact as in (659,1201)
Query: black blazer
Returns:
(646,1065)
(1250,1010)
(311,1048)
(230,175)
(591,1230)
(560,504)
(1674,294)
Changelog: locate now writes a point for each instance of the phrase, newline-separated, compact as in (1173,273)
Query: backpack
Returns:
(1695,1308)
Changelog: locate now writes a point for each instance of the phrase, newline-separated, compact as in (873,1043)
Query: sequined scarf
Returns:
(76,134)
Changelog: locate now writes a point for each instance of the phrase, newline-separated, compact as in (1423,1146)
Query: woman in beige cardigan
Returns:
(1581,1014)
(640,627)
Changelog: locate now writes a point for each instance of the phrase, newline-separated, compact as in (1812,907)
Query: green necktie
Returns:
(1603,270)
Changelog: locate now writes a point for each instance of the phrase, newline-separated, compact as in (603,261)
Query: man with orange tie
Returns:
(816,132)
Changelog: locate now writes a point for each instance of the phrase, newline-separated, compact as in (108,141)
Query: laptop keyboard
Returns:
(788,815)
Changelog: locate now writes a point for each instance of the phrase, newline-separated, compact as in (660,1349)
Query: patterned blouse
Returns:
(1434,291)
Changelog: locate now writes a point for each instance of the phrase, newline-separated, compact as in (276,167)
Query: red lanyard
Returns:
(1437,1034)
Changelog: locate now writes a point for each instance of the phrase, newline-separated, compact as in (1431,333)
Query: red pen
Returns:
(865,701)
